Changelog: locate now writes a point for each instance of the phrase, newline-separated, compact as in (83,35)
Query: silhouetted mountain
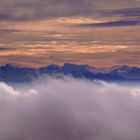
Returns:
(127,72)
(9,73)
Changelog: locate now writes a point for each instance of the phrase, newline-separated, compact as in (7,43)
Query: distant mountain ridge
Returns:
(9,73)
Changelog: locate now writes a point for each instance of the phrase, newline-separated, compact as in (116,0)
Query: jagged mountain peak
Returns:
(10,73)
(121,67)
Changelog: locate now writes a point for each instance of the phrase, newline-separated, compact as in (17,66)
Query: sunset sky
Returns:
(101,33)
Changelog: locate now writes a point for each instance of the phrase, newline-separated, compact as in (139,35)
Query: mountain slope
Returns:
(9,73)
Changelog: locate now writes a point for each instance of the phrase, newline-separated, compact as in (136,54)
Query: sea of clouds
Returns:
(69,109)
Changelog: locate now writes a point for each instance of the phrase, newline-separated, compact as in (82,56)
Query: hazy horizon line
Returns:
(61,65)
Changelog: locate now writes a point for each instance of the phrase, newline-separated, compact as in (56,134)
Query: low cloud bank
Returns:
(69,109)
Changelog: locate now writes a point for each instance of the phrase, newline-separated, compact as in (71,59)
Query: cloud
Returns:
(112,23)
(69,109)
(5,49)
(127,12)
(36,9)
(8,30)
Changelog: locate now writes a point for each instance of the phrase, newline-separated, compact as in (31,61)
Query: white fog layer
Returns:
(69,109)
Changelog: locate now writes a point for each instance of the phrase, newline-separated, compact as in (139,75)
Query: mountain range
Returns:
(13,74)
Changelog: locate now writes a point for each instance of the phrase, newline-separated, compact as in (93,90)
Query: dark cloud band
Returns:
(112,23)
(36,9)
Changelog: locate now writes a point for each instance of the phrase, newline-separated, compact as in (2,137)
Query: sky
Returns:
(100,33)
